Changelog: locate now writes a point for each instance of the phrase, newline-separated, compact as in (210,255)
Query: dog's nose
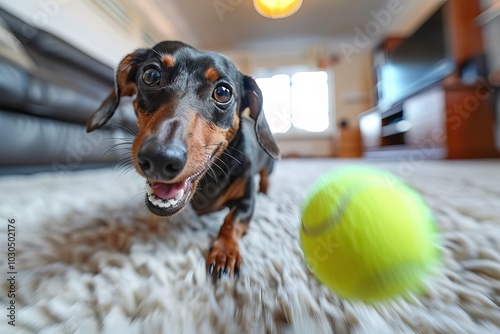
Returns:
(161,162)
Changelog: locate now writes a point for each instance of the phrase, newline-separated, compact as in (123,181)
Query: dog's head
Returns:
(188,105)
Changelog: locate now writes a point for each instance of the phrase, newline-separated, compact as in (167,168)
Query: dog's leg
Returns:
(224,257)
(264,180)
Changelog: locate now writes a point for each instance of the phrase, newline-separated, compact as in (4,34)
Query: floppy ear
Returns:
(124,86)
(253,97)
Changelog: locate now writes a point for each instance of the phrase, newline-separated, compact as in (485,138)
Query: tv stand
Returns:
(394,126)
(450,120)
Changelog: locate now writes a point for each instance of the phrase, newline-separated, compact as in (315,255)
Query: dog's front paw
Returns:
(224,258)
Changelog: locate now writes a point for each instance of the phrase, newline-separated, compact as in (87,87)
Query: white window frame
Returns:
(293,132)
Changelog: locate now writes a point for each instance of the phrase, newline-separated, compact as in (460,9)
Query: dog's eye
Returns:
(151,76)
(222,94)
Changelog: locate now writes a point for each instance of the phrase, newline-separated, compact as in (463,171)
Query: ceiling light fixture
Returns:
(277,9)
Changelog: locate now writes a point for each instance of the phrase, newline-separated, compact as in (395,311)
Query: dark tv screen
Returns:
(420,61)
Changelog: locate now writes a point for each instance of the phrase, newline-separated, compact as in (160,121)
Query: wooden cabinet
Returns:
(455,119)
(349,143)
(470,121)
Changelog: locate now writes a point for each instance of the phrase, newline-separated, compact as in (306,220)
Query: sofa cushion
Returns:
(29,88)
(42,75)
(12,49)
(26,139)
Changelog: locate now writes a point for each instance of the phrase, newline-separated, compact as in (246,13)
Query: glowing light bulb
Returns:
(277,9)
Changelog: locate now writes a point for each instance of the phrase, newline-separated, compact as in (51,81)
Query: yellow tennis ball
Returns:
(367,235)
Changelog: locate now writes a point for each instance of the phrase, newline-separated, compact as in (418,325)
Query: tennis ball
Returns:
(367,235)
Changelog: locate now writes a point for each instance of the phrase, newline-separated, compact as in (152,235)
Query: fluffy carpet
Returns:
(89,258)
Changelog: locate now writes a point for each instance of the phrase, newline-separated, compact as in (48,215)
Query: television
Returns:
(420,61)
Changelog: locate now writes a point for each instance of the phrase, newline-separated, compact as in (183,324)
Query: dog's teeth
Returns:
(165,204)
(156,201)
(149,190)
(179,195)
(162,203)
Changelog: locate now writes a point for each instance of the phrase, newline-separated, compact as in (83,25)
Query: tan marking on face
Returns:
(232,131)
(168,60)
(212,75)
(204,138)
(215,136)
(147,125)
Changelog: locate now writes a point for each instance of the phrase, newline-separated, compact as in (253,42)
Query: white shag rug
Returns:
(89,258)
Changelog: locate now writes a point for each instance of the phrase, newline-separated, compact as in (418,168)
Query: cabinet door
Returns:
(470,122)
(426,114)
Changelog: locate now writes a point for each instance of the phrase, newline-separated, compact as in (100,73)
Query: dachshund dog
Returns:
(202,138)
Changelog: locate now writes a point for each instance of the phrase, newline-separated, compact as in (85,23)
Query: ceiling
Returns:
(232,27)
(235,25)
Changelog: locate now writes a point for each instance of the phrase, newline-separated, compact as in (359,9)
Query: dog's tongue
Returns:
(167,191)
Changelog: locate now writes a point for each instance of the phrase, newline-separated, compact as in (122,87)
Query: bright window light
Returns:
(299,101)
(277,102)
(310,101)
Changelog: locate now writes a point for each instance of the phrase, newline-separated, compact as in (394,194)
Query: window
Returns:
(296,103)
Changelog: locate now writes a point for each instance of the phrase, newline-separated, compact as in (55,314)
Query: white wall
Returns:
(88,27)
(79,22)
(354,82)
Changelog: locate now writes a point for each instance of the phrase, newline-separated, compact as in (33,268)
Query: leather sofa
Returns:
(48,88)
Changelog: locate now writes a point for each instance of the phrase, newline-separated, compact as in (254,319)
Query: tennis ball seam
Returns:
(337,212)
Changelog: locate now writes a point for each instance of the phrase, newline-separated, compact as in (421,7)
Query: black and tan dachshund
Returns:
(202,138)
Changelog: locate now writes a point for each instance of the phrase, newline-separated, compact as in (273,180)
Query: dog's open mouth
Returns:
(166,199)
